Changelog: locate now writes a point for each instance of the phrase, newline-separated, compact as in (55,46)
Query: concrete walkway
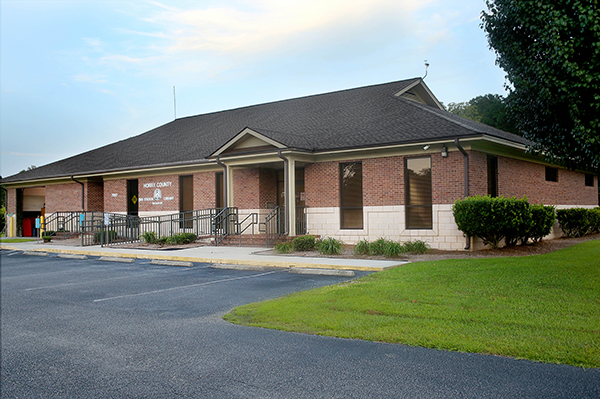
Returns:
(248,256)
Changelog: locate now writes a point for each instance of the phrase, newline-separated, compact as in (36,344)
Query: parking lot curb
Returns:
(286,264)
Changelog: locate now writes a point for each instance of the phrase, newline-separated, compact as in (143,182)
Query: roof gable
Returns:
(419,92)
(247,140)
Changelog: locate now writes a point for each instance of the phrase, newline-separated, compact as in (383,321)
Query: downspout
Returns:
(466,157)
(286,189)
(82,193)
(224,181)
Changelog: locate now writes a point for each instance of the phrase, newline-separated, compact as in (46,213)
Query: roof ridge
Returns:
(444,114)
(295,98)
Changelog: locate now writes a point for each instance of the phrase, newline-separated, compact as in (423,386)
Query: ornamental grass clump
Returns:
(330,246)
(416,247)
(362,247)
(377,247)
(283,248)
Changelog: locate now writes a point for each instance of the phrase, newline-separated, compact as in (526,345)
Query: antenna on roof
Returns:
(174,104)
(426,66)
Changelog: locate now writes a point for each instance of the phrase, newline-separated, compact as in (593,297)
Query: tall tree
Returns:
(550,51)
(489,109)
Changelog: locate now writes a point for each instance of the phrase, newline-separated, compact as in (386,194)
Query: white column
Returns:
(290,184)
(228,183)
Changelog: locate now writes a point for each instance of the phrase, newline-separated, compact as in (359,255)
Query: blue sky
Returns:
(76,75)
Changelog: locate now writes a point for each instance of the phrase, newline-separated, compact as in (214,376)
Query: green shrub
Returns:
(595,220)
(543,218)
(47,238)
(574,222)
(416,247)
(377,247)
(109,236)
(49,233)
(304,243)
(493,219)
(362,247)
(182,238)
(283,248)
(519,215)
(330,246)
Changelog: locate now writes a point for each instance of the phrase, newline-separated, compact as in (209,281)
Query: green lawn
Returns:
(9,240)
(544,308)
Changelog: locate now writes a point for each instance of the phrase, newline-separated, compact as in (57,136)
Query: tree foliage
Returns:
(550,51)
(489,109)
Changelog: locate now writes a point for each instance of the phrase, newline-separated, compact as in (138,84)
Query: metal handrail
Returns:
(221,222)
(273,226)
(254,221)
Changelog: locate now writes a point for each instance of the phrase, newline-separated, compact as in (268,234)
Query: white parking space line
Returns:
(183,287)
(84,282)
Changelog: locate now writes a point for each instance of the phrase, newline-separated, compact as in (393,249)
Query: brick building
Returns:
(378,161)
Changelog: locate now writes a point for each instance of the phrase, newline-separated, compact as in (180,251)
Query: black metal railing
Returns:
(103,228)
(274,225)
(62,225)
(300,220)
(225,224)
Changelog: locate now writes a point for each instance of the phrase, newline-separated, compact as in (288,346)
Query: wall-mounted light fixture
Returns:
(444,151)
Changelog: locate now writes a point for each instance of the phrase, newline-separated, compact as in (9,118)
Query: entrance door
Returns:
(186,201)
(132,197)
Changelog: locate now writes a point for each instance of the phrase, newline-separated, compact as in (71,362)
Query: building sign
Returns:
(159,184)
(157,196)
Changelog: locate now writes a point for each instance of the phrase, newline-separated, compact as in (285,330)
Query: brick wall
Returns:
(383,181)
(322,184)
(115,195)
(518,178)
(63,198)
(246,183)
(448,177)
(11,200)
(169,189)
(268,187)
(94,196)
(478,184)
(205,185)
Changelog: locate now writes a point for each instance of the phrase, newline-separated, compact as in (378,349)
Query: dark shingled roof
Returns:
(355,118)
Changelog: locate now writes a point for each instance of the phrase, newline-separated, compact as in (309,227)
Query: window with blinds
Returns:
(351,196)
(417,181)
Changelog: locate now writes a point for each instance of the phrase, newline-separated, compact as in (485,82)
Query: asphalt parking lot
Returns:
(87,328)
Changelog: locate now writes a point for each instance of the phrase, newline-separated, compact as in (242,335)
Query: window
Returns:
(351,199)
(589,180)
(219,195)
(186,200)
(551,174)
(492,176)
(417,183)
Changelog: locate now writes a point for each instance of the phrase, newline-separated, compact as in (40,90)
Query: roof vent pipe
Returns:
(82,193)
(466,157)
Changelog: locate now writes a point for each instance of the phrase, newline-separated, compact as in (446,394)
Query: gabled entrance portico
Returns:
(277,175)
